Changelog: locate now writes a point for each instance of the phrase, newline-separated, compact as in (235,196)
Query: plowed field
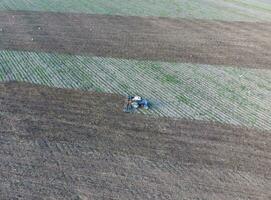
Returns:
(66,144)
(245,44)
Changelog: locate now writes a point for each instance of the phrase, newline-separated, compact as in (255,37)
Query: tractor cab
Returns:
(136,102)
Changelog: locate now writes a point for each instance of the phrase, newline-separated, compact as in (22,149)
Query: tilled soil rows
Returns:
(68,144)
(245,44)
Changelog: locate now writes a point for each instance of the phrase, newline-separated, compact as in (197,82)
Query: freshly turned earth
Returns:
(243,44)
(67,144)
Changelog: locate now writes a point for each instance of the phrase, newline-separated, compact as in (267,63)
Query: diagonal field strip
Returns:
(203,92)
(244,44)
(227,10)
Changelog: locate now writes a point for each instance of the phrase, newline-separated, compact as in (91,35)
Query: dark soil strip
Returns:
(66,144)
(242,44)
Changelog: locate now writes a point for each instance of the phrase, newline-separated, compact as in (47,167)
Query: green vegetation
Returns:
(170,79)
(191,91)
(258,5)
(183,99)
(229,10)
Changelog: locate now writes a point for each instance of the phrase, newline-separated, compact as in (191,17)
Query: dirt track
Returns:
(206,42)
(65,144)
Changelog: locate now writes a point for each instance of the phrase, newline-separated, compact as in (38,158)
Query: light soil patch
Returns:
(215,93)
(227,10)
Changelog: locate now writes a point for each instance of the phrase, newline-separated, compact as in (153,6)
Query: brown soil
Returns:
(210,42)
(66,144)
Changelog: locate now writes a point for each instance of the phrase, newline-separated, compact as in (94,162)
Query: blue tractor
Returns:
(135,102)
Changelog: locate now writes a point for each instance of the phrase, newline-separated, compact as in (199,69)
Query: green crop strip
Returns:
(261,6)
(229,10)
(182,90)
